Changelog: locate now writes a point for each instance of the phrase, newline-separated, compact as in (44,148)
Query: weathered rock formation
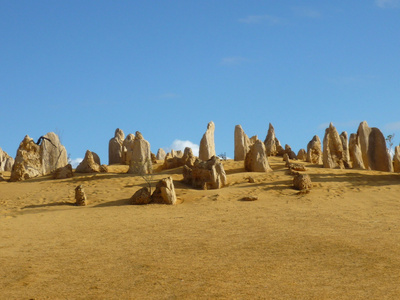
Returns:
(256,159)
(91,164)
(346,153)
(6,161)
(373,148)
(207,145)
(290,152)
(302,182)
(270,141)
(127,149)
(302,155)
(293,166)
(115,148)
(314,152)
(174,162)
(396,159)
(140,162)
(355,155)
(63,172)
(242,143)
(333,149)
(161,154)
(141,196)
(34,160)
(165,192)
(208,174)
(80,196)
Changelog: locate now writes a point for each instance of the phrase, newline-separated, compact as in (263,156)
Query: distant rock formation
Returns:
(63,172)
(332,156)
(270,141)
(396,159)
(290,152)
(91,164)
(6,161)
(302,155)
(256,159)
(346,153)
(206,175)
(373,148)
(161,154)
(39,159)
(174,162)
(355,155)
(207,145)
(314,152)
(140,162)
(127,147)
(115,148)
(242,143)
(165,192)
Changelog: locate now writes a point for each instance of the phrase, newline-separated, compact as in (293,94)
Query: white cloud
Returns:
(233,60)
(261,19)
(75,162)
(181,145)
(393,126)
(387,3)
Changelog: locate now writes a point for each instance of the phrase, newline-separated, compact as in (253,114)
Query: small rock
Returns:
(250,198)
(141,196)
(80,196)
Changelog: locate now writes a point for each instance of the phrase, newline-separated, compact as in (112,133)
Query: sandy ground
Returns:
(341,241)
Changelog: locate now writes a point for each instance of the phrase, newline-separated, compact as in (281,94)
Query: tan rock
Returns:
(356,160)
(141,196)
(302,182)
(165,192)
(333,149)
(256,159)
(396,159)
(141,156)
(88,164)
(242,143)
(302,155)
(161,154)
(314,152)
(6,161)
(270,142)
(115,148)
(80,196)
(290,152)
(207,145)
(63,172)
(53,154)
(373,148)
(346,153)
(127,147)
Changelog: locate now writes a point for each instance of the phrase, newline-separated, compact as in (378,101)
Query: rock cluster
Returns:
(91,164)
(34,160)
(6,161)
(115,148)
(80,196)
(333,149)
(207,145)
(174,162)
(140,162)
(163,194)
(208,174)
(256,158)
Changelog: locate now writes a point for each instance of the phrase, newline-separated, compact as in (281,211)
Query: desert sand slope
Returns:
(341,241)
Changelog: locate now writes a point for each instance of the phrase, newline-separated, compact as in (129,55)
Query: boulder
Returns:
(314,152)
(355,155)
(115,148)
(207,145)
(160,154)
(290,152)
(141,196)
(165,192)
(80,196)
(332,156)
(302,155)
(280,150)
(6,161)
(256,159)
(63,172)
(302,182)
(90,164)
(208,174)
(242,143)
(127,147)
(373,148)
(346,153)
(140,162)
(396,159)
(270,141)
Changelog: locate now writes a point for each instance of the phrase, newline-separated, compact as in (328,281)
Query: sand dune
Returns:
(340,241)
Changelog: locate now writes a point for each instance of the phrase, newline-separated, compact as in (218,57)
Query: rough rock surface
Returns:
(63,172)
(302,155)
(355,155)
(293,166)
(115,148)
(270,141)
(242,143)
(332,156)
(302,182)
(6,161)
(165,192)
(141,156)
(373,148)
(90,164)
(256,159)
(127,149)
(141,196)
(174,162)
(396,159)
(80,196)
(314,152)
(290,152)
(53,154)
(161,154)
(207,145)
(205,174)
(346,153)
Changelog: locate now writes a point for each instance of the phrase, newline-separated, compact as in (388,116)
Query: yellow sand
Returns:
(341,241)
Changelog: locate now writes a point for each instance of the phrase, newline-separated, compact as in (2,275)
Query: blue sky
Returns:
(167,68)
